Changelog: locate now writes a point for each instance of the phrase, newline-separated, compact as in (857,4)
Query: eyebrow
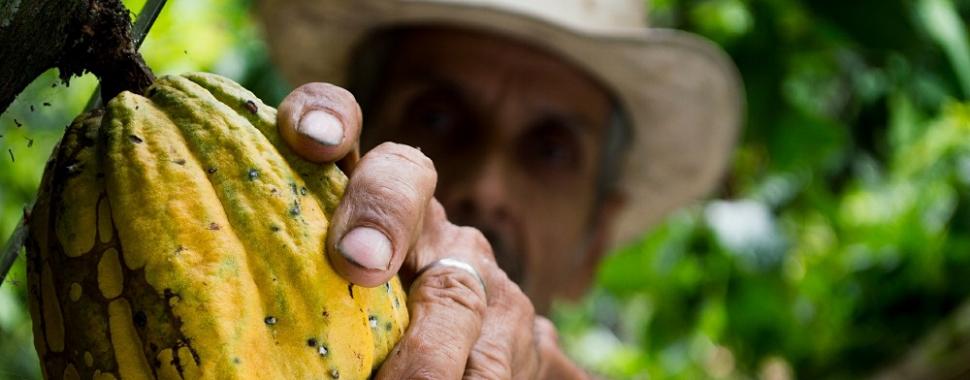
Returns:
(577,123)
(428,78)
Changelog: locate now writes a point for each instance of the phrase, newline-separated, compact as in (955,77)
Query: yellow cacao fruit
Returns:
(176,236)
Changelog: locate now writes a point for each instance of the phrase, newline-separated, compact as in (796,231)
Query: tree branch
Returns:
(75,36)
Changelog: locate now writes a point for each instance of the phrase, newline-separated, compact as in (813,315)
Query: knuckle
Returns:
(393,179)
(545,328)
(475,237)
(489,372)
(406,155)
(426,373)
(436,212)
(394,199)
(489,361)
(523,304)
(510,296)
(449,287)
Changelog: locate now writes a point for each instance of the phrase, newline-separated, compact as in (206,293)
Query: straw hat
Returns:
(682,93)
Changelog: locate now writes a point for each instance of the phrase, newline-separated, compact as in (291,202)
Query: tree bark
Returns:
(75,36)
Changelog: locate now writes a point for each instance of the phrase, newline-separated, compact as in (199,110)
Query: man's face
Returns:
(516,137)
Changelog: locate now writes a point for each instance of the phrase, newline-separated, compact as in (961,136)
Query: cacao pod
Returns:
(176,236)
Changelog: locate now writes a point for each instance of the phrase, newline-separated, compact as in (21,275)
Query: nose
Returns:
(480,195)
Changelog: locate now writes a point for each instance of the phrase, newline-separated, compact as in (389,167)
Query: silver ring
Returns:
(459,264)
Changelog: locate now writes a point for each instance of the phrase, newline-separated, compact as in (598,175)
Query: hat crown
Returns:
(578,14)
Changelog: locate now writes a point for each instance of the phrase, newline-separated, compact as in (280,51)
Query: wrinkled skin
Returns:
(514,136)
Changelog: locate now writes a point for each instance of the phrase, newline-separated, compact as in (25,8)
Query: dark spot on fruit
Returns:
(303,191)
(212,170)
(214,226)
(274,228)
(293,188)
(180,161)
(12,159)
(251,106)
(372,320)
(270,320)
(179,250)
(140,319)
(350,289)
(31,108)
(253,174)
(236,360)
(18,123)
(30,142)
(47,104)
(135,139)
(295,210)
(334,373)
(387,326)
(312,342)
(273,190)
(326,314)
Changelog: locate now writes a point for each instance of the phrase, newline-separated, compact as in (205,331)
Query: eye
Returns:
(435,114)
(551,147)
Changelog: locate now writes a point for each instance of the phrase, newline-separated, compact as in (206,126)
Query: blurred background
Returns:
(838,246)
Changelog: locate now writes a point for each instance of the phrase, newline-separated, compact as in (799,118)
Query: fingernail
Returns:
(366,247)
(321,127)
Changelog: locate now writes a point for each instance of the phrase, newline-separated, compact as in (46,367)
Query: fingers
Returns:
(507,348)
(381,214)
(447,307)
(447,304)
(554,364)
(320,122)
(440,239)
(546,334)
(460,328)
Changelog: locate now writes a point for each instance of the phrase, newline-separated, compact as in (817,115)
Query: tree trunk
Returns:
(75,36)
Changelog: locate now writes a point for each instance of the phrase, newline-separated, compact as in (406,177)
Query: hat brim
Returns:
(683,95)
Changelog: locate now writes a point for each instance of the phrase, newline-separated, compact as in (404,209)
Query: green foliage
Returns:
(841,234)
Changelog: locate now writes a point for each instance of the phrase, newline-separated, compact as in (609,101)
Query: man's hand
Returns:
(389,222)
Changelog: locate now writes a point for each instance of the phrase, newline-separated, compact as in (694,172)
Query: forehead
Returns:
(489,66)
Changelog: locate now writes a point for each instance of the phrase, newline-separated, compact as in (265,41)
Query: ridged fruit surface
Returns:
(176,236)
